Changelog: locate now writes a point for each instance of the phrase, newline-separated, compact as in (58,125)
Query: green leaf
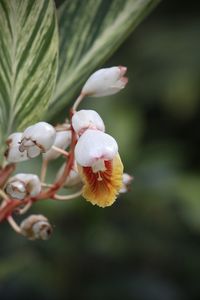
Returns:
(90,31)
(28,62)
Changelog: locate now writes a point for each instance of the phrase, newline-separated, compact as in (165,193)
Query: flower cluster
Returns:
(92,164)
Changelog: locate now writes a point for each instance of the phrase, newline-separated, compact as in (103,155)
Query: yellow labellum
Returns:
(101,188)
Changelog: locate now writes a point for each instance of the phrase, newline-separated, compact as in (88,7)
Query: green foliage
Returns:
(28,62)
(90,31)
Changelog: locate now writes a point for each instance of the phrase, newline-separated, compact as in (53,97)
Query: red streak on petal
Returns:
(99,180)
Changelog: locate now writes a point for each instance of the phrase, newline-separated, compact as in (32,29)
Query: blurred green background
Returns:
(147,245)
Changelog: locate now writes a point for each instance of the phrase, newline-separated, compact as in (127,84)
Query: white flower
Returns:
(87,119)
(72,179)
(100,167)
(12,154)
(105,82)
(62,141)
(37,138)
(126,180)
(93,147)
(22,185)
(36,227)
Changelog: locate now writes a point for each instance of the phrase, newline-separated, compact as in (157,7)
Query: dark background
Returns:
(147,245)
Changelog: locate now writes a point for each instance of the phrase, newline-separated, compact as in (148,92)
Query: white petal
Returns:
(127,179)
(94,145)
(32,182)
(42,230)
(63,140)
(33,151)
(14,139)
(12,154)
(42,133)
(36,227)
(22,185)
(16,189)
(105,82)
(87,119)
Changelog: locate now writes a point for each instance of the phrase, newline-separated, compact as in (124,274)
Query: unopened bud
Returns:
(12,154)
(87,119)
(126,180)
(37,138)
(36,227)
(105,82)
(62,141)
(22,185)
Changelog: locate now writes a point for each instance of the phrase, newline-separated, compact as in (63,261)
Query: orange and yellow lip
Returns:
(102,187)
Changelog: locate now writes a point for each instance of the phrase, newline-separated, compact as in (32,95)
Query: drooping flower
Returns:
(36,227)
(87,119)
(12,154)
(37,139)
(100,167)
(104,82)
(22,185)
(62,141)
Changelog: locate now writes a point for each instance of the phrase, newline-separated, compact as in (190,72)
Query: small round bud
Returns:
(22,185)
(36,227)
(73,178)
(87,119)
(126,181)
(94,146)
(12,154)
(105,82)
(62,141)
(37,138)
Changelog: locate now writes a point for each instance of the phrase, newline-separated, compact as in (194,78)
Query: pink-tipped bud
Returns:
(12,154)
(87,119)
(22,185)
(105,82)
(36,227)
(37,138)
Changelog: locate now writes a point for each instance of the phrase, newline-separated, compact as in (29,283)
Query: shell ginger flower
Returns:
(100,167)
(104,82)
(22,185)
(37,138)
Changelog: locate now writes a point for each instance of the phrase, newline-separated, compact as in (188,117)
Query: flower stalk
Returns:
(92,162)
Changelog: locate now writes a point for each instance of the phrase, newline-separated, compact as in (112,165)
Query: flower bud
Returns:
(36,227)
(37,138)
(62,141)
(93,147)
(12,154)
(126,181)
(22,185)
(105,82)
(87,119)
(73,178)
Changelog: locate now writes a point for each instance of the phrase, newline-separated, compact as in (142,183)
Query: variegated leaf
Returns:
(90,31)
(28,62)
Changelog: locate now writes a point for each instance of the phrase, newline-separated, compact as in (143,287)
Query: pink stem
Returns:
(11,205)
